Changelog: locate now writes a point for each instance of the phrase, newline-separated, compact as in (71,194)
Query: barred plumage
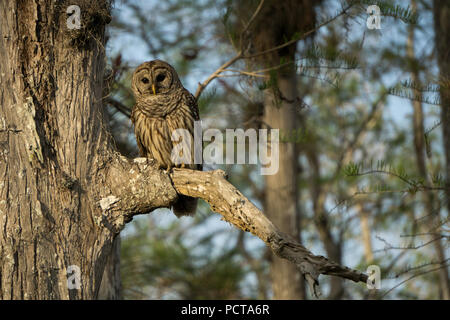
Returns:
(162,106)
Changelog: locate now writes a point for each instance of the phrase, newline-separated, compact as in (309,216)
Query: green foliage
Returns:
(229,26)
(410,95)
(337,58)
(389,9)
(430,87)
(206,99)
(352,169)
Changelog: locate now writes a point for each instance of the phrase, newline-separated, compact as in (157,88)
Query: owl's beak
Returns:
(154,89)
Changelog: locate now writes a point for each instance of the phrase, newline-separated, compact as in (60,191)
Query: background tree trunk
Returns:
(277,22)
(321,218)
(281,195)
(442,38)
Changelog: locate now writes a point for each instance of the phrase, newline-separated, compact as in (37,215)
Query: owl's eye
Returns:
(160,77)
(145,80)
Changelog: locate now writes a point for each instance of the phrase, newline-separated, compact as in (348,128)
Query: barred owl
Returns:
(162,106)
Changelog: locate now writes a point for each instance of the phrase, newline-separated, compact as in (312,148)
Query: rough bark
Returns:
(111,286)
(51,145)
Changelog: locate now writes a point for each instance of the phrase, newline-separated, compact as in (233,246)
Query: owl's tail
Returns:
(185,206)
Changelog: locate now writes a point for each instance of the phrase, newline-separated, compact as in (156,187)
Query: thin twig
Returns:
(421,266)
(215,74)
(414,276)
(240,54)
(258,9)
(119,106)
(304,35)
(418,187)
(390,247)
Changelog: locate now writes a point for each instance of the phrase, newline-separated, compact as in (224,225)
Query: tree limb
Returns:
(235,208)
(215,74)
(131,187)
(137,186)
(119,106)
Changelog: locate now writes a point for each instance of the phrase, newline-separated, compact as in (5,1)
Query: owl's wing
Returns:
(191,102)
(142,149)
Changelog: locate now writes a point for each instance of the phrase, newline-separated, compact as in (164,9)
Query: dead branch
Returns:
(137,186)
(235,208)
(132,187)
(215,74)
(119,106)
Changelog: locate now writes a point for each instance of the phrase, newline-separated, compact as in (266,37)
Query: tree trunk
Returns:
(321,219)
(59,175)
(111,286)
(49,152)
(281,196)
(366,232)
(442,30)
(276,22)
(442,36)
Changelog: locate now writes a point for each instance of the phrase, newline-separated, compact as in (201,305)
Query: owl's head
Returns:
(155,77)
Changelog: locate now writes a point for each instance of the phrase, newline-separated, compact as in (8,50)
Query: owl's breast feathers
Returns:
(155,117)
